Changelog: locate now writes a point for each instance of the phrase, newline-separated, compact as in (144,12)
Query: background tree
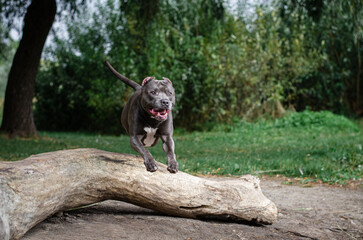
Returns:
(18,109)
(38,20)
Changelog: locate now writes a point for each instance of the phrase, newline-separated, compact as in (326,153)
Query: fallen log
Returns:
(37,187)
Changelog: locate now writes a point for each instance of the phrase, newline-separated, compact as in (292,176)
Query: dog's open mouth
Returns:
(160,114)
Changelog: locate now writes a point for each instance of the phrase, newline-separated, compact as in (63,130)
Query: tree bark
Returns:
(35,188)
(18,113)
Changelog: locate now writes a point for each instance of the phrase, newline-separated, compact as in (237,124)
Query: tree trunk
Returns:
(42,185)
(18,113)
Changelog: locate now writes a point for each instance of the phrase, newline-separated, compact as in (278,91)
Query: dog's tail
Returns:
(129,82)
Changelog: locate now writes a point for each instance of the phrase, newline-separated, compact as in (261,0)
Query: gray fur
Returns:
(150,107)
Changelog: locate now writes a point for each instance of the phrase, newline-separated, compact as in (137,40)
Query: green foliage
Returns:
(284,56)
(77,92)
(335,29)
(306,145)
(258,66)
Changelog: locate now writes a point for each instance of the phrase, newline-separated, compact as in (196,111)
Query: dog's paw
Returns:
(173,166)
(151,166)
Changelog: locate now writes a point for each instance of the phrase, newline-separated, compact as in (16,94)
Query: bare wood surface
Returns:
(44,184)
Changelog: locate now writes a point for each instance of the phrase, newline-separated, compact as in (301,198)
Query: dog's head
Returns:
(157,97)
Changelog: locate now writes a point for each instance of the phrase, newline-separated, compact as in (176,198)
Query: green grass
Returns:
(307,145)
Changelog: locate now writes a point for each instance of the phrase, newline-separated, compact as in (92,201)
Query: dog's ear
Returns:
(167,79)
(146,80)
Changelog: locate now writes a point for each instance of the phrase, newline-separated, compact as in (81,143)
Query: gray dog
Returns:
(147,117)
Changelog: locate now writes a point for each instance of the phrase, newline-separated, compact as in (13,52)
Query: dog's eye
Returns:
(154,92)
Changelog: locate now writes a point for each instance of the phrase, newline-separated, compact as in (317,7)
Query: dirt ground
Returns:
(315,212)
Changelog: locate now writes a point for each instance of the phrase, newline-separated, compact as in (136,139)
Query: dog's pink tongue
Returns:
(163,113)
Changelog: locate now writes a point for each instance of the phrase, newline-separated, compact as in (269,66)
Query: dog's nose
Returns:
(165,103)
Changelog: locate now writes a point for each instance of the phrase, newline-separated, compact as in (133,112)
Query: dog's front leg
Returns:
(149,161)
(168,146)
